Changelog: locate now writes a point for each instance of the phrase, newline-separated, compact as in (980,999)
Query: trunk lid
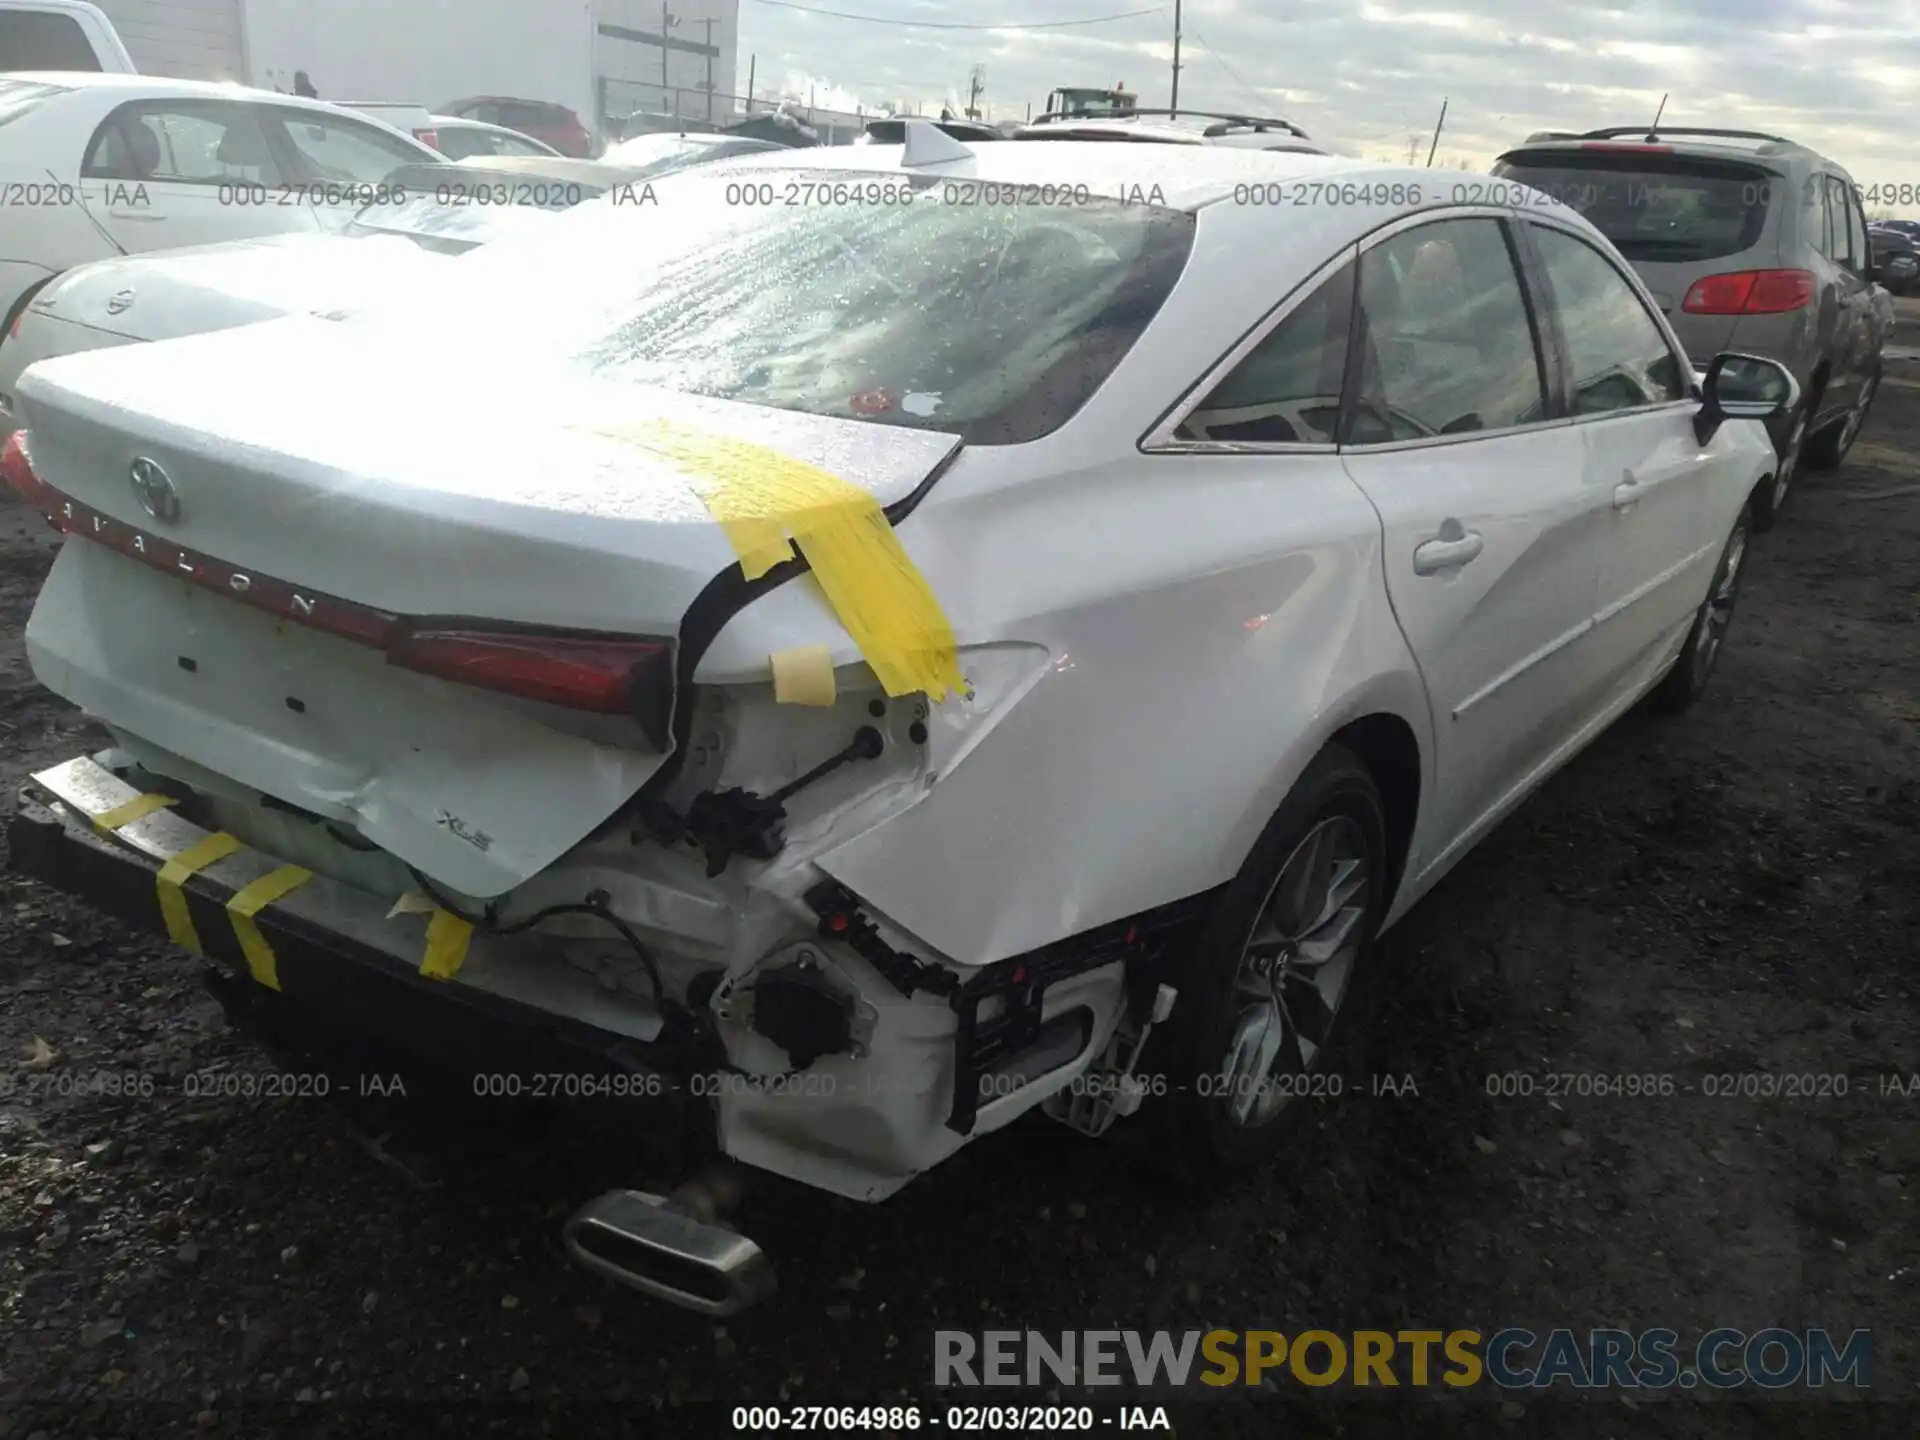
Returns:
(217,287)
(422,486)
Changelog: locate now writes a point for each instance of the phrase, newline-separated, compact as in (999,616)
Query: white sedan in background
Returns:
(460,139)
(94,166)
(1192,584)
(390,246)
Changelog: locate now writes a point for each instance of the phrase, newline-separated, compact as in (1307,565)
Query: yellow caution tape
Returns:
(250,900)
(760,497)
(447,937)
(803,676)
(173,874)
(137,808)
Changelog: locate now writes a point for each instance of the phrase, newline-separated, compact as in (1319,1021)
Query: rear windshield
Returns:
(996,322)
(41,40)
(22,97)
(1657,207)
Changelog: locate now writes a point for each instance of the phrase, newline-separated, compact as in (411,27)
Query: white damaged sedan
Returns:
(912,636)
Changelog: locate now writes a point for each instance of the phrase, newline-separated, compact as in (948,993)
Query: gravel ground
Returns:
(1733,892)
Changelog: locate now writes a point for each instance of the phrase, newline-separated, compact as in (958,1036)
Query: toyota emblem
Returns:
(155,491)
(119,302)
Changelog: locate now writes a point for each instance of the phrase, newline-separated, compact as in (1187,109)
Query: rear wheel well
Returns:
(1385,744)
(20,304)
(1816,386)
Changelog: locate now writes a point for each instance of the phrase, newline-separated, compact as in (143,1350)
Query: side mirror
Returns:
(1743,387)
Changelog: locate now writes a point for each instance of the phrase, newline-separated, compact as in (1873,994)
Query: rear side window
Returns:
(1287,388)
(1857,228)
(209,143)
(34,40)
(23,97)
(460,143)
(1840,218)
(1447,345)
(1660,208)
(1816,216)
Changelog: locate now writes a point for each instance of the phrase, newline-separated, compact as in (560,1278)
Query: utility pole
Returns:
(1436,131)
(1173,105)
(709,23)
(976,83)
(667,21)
(753,64)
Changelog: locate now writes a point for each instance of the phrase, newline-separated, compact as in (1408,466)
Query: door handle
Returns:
(1630,489)
(1449,550)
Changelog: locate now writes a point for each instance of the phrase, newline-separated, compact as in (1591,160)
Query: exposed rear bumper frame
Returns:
(328,965)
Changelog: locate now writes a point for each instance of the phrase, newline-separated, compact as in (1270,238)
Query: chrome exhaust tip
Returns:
(643,1242)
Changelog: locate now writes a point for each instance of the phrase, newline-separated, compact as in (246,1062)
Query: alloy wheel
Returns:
(1717,613)
(1858,415)
(1790,459)
(1296,967)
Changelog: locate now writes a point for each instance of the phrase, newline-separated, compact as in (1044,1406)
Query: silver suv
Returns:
(1750,243)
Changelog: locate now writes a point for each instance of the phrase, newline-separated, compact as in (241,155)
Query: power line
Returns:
(948,25)
(1220,60)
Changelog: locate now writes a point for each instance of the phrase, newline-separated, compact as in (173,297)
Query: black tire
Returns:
(1337,799)
(1706,637)
(1772,494)
(1828,450)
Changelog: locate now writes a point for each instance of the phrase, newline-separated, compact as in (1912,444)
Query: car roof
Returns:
(163,86)
(464,122)
(1188,176)
(552,105)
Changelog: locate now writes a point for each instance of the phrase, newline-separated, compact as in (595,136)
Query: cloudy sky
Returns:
(1366,75)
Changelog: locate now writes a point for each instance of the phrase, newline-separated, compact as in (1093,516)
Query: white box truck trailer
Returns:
(424,52)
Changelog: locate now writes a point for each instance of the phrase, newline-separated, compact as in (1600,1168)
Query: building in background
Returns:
(677,58)
(603,59)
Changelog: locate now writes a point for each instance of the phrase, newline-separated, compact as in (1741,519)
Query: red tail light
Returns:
(428,137)
(17,471)
(604,676)
(13,330)
(1749,292)
(598,674)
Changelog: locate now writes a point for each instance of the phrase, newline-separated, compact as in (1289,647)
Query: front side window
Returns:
(994,322)
(1447,345)
(1286,390)
(337,149)
(193,143)
(1617,357)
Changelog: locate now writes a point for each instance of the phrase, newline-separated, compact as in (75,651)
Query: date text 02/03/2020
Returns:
(957,1419)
